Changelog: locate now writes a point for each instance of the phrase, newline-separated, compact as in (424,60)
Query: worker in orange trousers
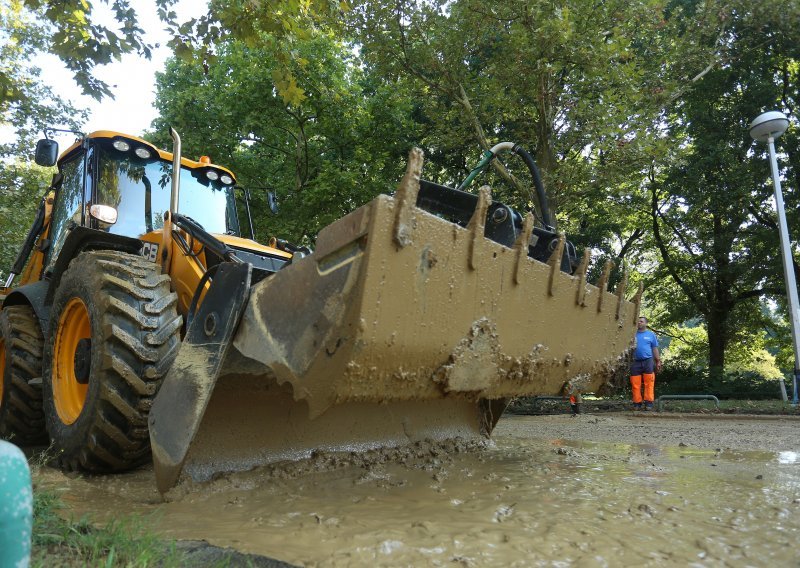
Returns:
(646,361)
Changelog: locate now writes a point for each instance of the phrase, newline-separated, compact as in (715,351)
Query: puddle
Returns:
(520,501)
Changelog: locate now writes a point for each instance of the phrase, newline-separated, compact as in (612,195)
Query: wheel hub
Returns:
(83,360)
(71,360)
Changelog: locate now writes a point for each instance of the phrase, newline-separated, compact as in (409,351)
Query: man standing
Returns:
(646,360)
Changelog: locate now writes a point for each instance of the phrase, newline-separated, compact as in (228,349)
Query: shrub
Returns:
(677,378)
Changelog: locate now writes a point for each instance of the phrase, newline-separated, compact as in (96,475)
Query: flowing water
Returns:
(518,501)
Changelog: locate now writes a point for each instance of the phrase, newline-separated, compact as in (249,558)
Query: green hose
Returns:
(487,157)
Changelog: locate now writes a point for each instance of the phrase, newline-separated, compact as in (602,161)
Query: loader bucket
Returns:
(401,326)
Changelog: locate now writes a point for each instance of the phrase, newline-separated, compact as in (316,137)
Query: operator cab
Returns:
(121,185)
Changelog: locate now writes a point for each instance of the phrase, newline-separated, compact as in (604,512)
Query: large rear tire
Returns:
(21,343)
(114,332)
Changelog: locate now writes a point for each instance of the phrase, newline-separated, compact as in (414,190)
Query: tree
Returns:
(27,104)
(66,29)
(688,346)
(346,142)
(278,27)
(23,187)
(582,85)
(579,84)
(711,202)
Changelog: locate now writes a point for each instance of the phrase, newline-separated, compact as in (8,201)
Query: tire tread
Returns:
(21,415)
(134,303)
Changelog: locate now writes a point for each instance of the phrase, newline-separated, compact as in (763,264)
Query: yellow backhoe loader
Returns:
(142,323)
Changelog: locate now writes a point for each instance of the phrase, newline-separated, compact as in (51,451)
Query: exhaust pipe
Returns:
(166,239)
(176,167)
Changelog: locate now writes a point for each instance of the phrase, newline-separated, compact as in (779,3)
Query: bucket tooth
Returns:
(603,284)
(555,262)
(477,224)
(637,302)
(621,293)
(406,199)
(521,246)
(583,268)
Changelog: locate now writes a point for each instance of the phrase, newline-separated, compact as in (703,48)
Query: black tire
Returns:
(21,342)
(134,337)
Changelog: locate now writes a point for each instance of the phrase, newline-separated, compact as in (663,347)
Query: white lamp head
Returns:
(768,125)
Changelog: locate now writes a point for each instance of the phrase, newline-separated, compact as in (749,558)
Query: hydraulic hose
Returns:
(489,155)
(537,182)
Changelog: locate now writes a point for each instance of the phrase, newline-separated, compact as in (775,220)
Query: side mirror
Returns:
(272,201)
(46,152)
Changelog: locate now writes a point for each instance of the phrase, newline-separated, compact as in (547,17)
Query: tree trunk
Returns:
(717,339)
(720,301)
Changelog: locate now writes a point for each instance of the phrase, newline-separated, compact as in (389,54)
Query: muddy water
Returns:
(519,501)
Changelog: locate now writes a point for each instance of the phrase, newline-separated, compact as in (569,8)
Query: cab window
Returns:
(66,208)
(140,192)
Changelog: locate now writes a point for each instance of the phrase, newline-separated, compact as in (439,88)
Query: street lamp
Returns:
(766,128)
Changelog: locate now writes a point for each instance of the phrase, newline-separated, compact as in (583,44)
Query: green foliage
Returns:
(581,85)
(636,113)
(347,143)
(688,347)
(710,198)
(779,339)
(27,103)
(681,378)
(67,29)
(70,33)
(279,27)
(760,362)
(21,188)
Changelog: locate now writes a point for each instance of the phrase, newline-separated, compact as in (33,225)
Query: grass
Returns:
(62,541)
(59,542)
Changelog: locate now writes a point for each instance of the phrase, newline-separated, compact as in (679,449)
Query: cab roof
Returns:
(163,154)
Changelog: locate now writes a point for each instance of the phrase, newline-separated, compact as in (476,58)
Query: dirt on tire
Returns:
(21,414)
(134,339)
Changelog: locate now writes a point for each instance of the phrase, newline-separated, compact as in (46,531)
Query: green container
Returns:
(16,507)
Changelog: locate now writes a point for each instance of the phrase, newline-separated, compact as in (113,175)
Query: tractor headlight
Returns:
(103,213)
(212,175)
(226,179)
(121,145)
(143,153)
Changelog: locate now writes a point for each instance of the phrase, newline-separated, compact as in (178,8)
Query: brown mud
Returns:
(549,490)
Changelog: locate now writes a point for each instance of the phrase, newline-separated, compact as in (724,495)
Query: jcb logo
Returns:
(150,251)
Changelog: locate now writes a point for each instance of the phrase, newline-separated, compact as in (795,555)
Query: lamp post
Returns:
(767,128)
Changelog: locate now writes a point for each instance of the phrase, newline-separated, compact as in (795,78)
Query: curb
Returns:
(696,415)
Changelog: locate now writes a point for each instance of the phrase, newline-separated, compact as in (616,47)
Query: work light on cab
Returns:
(121,145)
(103,213)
